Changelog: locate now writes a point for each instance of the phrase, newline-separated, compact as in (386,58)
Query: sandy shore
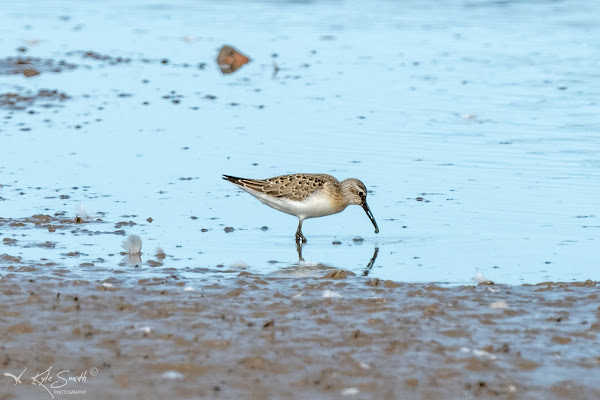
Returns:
(257,337)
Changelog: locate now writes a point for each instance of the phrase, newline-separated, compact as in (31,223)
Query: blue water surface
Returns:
(474,124)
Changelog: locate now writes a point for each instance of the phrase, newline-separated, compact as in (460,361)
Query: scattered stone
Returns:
(29,72)
(339,274)
(269,324)
(230,59)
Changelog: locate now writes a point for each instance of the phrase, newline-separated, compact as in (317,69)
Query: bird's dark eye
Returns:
(360,193)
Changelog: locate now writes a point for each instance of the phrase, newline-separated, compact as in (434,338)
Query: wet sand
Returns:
(336,336)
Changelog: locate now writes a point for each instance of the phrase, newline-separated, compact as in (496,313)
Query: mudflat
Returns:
(245,335)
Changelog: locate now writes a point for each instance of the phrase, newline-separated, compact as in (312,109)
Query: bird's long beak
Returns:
(370,215)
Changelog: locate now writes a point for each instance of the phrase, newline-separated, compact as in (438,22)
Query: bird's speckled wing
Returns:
(293,187)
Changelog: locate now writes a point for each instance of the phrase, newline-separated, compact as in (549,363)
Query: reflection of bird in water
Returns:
(370,264)
(303,268)
(307,195)
(230,59)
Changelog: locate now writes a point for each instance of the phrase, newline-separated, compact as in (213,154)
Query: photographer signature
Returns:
(48,381)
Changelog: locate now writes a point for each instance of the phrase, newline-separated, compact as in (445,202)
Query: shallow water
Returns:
(488,111)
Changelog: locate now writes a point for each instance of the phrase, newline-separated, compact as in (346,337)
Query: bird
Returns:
(307,195)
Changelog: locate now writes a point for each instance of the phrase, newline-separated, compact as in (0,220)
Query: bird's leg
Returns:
(299,236)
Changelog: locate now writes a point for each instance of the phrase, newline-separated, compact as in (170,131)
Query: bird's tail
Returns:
(232,179)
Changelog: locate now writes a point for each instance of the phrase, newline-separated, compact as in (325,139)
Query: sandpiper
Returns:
(307,195)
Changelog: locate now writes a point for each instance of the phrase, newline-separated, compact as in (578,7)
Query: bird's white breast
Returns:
(316,205)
